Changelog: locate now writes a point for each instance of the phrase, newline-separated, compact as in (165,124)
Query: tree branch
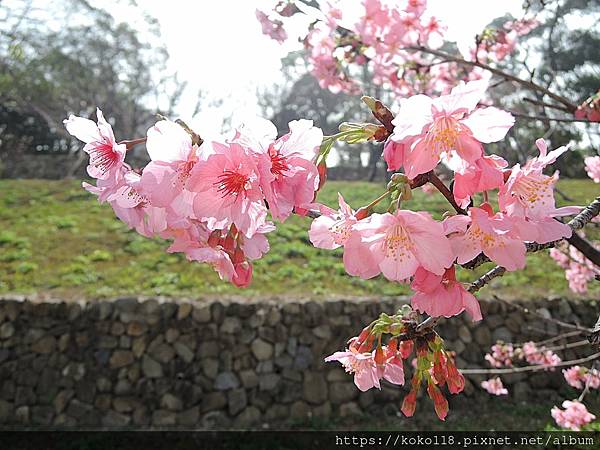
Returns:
(572,362)
(529,84)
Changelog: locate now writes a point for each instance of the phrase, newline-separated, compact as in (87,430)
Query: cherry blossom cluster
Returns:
(502,355)
(495,44)
(579,270)
(505,354)
(535,355)
(579,377)
(494,386)
(370,361)
(574,415)
(384,38)
(412,247)
(210,199)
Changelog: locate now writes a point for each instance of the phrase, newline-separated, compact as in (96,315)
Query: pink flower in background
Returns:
(397,244)
(271,27)
(539,356)
(227,188)
(106,156)
(288,174)
(490,234)
(579,270)
(172,159)
(574,415)
(484,175)
(494,386)
(579,377)
(442,295)
(448,127)
(502,355)
(362,365)
(592,167)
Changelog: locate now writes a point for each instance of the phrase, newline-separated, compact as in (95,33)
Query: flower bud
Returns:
(406,348)
(362,213)
(409,404)
(440,403)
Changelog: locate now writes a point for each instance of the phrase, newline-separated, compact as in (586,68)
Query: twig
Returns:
(548,105)
(529,84)
(587,383)
(560,323)
(572,362)
(440,186)
(546,118)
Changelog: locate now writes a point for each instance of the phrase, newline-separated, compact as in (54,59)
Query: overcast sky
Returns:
(218,46)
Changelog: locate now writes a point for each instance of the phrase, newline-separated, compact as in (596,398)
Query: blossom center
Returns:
(184,170)
(340,231)
(279,163)
(104,157)
(442,135)
(398,244)
(231,182)
(356,365)
(533,190)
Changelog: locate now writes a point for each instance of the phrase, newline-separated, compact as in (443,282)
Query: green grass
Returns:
(56,240)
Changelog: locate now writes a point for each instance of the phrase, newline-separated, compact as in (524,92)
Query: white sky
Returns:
(218,47)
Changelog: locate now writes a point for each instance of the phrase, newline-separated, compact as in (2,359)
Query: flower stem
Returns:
(440,186)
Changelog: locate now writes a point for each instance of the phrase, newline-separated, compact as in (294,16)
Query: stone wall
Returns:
(130,363)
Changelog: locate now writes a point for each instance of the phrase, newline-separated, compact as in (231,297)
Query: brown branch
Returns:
(529,84)
(572,362)
(548,105)
(546,118)
(440,186)
(560,323)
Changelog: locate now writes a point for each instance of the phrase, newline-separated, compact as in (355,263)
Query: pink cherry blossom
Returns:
(579,270)
(528,192)
(288,174)
(362,365)
(173,158)
(397,244)
(592,167)
(194,242)
(106,156)
(332,230)
(484,175)
(494,386)
(539,356)
(442,295)
(393,154)
(502,355)
(448,127)
(227,188)
(491,234)
(574,415)
(271,27)
(579,377)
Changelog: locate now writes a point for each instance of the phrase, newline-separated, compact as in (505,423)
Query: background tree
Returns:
(560,54)
(53,65)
